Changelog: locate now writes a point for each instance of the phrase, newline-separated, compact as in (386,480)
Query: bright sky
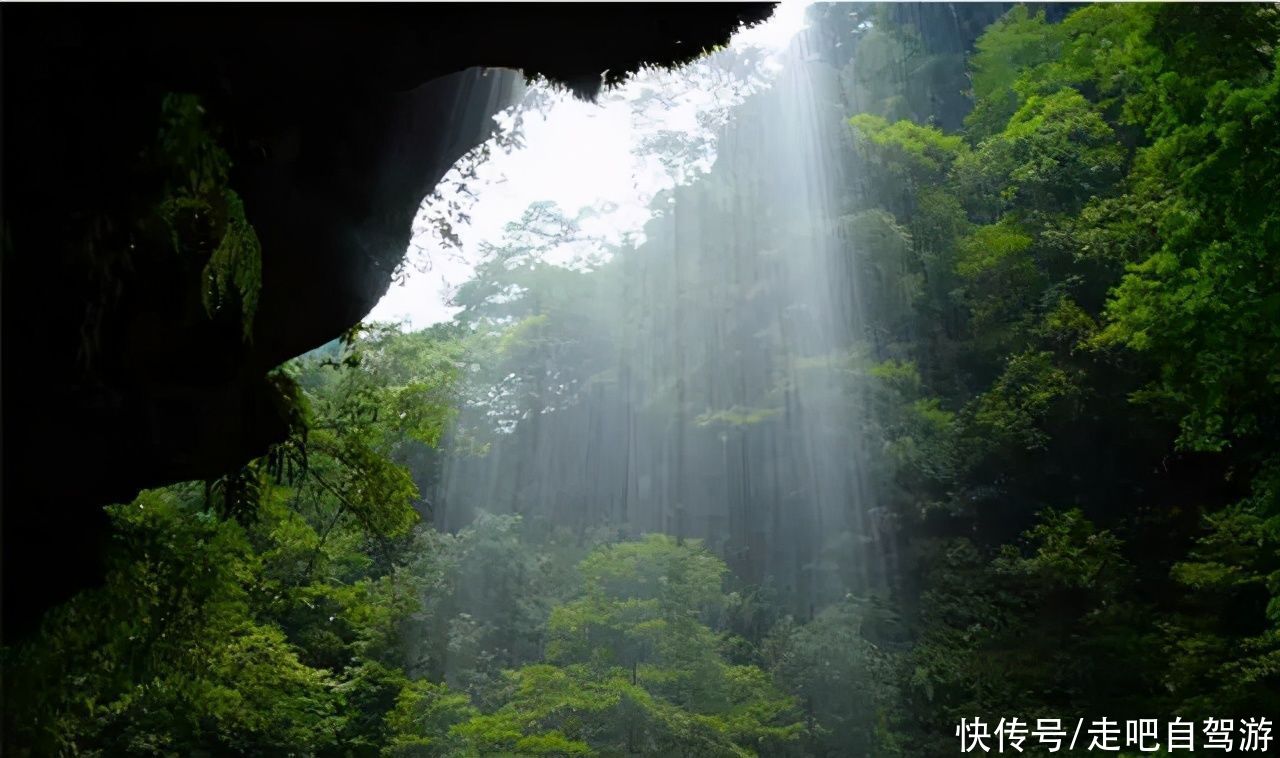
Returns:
(579,155)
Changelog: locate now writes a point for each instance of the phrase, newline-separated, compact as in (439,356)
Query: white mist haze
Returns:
(583,157)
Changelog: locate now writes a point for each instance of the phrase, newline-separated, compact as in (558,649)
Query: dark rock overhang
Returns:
(338,120)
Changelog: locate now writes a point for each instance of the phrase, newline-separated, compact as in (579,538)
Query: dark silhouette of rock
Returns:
(338,119)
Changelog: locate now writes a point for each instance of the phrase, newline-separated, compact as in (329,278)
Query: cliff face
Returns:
(337,122)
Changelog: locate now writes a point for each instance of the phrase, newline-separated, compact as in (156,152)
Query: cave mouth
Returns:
(326,127)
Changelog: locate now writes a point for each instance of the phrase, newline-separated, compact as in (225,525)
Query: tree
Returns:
(632,666)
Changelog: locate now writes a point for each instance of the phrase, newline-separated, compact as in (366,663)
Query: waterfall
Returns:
(706,382)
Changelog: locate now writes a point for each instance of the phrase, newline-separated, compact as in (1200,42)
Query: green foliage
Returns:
(1055,153)
(261,613)
(883,248)
(423,721)
(1222,655)
(633,667)
(1015,407)
(844,680)
(1069,552)
(486,593)
(995,250)
(1068,327)
(1016,43)
(1000,277)
(922,154)
(1203,303)
(918,432)
(1049,626)
(203,214)
(1100,305)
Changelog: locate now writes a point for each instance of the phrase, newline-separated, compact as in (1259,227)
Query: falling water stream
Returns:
(697,378)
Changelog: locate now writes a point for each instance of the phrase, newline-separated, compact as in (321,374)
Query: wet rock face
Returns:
(338,121)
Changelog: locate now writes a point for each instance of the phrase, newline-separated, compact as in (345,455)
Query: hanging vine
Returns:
(203,214)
